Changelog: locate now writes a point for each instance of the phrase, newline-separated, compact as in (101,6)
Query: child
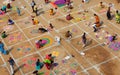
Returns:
(51,12)
(101,5)
(57,39)
(4,35)
(10,22)
(68,34)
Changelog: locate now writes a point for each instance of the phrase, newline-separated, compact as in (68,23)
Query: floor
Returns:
(95,59)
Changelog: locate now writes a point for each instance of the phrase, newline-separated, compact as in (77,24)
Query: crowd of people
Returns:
(49,59)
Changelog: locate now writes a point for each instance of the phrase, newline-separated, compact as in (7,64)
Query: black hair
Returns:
(114,37)
(4,32)
(33,19)
(40,40)
(51,25)
(116,11)
(95,15)
(50,55)
(84,36)
(37,63)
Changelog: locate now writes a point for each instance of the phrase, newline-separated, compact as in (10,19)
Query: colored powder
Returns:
(56,71)
(59,2)
(30,62)
(41,73)
(28,49)
(18,49)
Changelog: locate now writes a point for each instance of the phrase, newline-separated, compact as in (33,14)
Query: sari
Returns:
(117,16)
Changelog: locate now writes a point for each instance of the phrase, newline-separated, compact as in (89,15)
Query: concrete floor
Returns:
(99,59)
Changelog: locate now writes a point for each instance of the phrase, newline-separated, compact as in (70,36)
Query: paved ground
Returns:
(99,59)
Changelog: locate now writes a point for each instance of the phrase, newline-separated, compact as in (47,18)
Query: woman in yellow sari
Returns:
(117,16)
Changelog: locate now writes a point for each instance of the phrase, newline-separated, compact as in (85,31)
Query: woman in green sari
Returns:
(117,16)
(4,35)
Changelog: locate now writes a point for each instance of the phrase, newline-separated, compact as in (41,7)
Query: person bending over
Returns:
(42,30)
(10,22)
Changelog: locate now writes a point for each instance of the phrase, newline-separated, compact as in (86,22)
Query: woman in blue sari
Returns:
(2,48)
(39,65)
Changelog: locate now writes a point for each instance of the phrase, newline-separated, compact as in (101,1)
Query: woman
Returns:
(111,38)
(69,17)
(50,57)
(84,39)
(12,64)
(39,44)
(18,11)
(97,20)
(117,16)
(51,12)
(35,21)
(2,48)
(97,23)
(68,34)
(51,26)
(49,60)
(39,65)
(8,6)
(10,22)
(42,30)
(101,5)
(108,14)
(4,35)
(4,8)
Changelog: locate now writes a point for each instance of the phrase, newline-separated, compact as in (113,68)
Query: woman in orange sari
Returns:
(97,20)
(97,23)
